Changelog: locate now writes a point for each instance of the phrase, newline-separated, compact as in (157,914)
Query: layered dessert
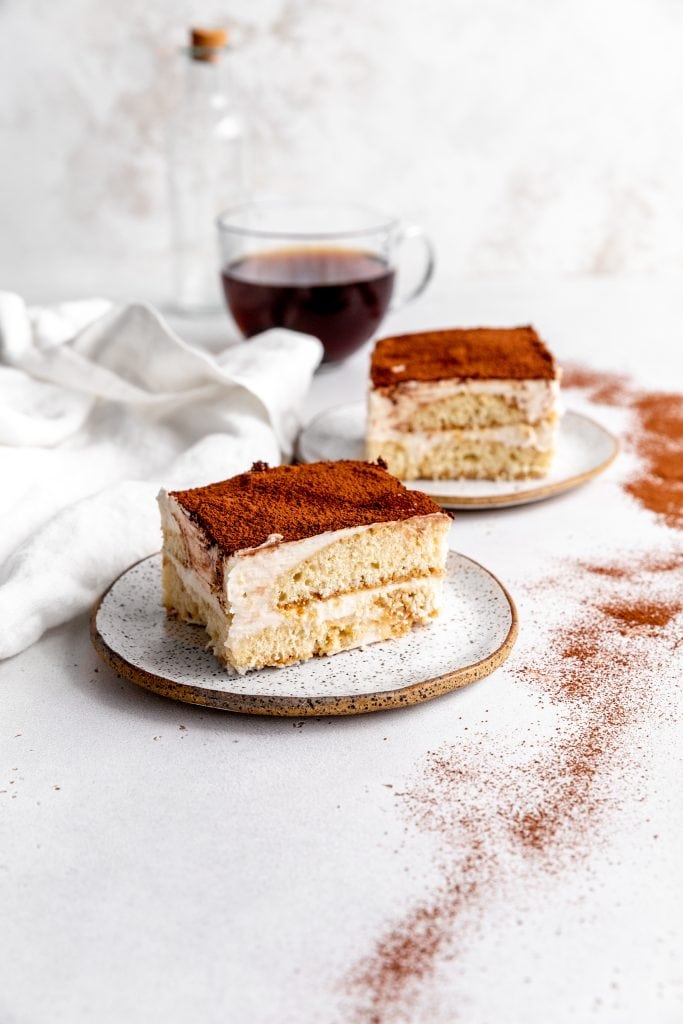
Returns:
(480,403)
(283,564)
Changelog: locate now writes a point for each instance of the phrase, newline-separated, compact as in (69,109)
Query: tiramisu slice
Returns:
(283,564)
(478,403)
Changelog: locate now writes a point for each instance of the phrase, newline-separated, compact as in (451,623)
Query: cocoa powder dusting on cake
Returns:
(295,502)
(508,811)
(515,353)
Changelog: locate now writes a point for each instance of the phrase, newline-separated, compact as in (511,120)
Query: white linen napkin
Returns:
(99,407)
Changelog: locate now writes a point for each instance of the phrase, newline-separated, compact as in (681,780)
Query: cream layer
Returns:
(249,588)
(391,408)
(541,437)
(356,606)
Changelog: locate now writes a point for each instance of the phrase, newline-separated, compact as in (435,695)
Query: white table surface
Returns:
(161,862)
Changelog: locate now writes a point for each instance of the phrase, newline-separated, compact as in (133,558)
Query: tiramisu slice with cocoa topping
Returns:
(283,564)
(478,403)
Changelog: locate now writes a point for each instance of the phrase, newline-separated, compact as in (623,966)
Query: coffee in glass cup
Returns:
(326,269)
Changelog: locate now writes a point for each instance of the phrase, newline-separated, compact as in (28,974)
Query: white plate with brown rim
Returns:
(584,449)
(473,635)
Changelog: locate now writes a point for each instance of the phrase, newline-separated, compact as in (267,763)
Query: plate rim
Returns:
(508,500)
(291,706)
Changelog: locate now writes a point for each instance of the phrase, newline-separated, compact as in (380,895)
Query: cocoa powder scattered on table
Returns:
(648,615)
(505,816)
(634,565)
(656,437)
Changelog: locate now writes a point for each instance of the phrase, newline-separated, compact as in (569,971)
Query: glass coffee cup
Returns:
(327,269)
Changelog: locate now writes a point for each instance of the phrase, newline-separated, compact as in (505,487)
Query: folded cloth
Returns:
(99,407)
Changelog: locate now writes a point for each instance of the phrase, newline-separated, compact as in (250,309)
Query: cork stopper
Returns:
(206,43)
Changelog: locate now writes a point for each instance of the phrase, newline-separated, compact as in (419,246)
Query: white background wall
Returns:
(537,136)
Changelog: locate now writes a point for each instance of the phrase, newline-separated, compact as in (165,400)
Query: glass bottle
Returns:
(205,170)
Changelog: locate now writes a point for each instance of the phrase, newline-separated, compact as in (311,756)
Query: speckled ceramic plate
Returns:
(584,449)
(472,637)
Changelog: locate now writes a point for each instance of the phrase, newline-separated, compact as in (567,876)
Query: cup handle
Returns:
(412,233)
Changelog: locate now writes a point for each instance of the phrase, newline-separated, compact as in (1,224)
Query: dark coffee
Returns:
(338,295)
